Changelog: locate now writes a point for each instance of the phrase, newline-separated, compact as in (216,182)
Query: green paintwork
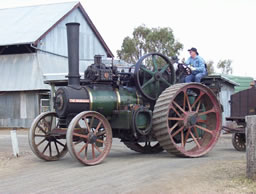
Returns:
(105,99)
(128,97)
(142,120)
(121,119)
(243,81)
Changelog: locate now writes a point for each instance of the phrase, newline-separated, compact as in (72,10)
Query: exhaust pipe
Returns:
(73,54)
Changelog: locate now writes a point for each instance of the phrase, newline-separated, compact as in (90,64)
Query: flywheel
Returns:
(187,119)
(153,73)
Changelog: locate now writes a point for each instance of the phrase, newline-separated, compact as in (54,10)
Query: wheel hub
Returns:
(157,76)
(190,119)
(92,138)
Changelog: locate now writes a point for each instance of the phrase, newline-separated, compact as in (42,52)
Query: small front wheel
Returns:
(89,138)
(45,143)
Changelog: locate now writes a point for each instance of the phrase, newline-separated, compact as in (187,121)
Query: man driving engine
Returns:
(197,66)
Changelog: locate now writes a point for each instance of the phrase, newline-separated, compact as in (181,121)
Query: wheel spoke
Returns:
(80,135)
(51,122)
(164,81)
(40,142)
(78,142)
(193,137)
(173,108)
(189,106)
(198,106)
(201,121)
(187,135)
(178,131)
(45,148)
(204,129)
(182,138)
(86,123)
(175,119)
(38,135)
(178,106)
(50,148)
(173,127)
(147,83)
(164,68)
(97,128)
(97,148)
(91,122)
(57,147)
(184,102)
(93,151)
(101,141)
(157,87)
(147,71)
(48,125)
(41,129)
(84,147)
(60,143)
(196,132)
(101,133)
(207,112)
(154,63)
(198,98)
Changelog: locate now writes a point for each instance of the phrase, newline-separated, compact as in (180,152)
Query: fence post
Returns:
(251,146)
(15,145)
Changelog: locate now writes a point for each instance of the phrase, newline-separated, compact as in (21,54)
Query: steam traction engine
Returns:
(144,108)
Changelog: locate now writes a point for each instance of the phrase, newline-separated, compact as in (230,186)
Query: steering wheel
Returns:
(184,69)
(153,73)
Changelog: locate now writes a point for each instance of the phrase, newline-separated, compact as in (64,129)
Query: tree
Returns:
(210,67)
(146,40)
(225,66)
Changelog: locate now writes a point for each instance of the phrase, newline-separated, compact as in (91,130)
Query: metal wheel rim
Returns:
(60,148)
(83,145)
(175,116)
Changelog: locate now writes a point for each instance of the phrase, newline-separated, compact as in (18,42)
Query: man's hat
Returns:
(193,49)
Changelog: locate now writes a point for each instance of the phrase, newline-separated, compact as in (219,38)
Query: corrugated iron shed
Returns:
(26,25)
(21,73)
(243,81)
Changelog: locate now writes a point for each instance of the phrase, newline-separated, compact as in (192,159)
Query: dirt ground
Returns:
(124,171)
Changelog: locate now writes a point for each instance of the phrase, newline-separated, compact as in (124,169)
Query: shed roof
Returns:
(224,78)
(28,25)
(243,81)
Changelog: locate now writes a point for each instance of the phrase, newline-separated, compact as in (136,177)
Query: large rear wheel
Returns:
(187,119)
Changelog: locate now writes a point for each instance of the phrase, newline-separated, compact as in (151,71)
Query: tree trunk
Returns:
(251,146)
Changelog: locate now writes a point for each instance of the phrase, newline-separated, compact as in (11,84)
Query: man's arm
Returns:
(201,66)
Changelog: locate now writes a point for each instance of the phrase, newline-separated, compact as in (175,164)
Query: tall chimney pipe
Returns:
(73,54)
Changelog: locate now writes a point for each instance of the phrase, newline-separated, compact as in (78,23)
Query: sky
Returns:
(219,29)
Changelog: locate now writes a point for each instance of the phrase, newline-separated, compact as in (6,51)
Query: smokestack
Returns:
(73,54)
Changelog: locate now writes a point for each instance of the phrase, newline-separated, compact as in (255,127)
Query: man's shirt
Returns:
(197,62)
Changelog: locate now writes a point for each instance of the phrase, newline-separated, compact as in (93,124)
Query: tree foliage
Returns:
(225,66)
(146,40)
(210,67)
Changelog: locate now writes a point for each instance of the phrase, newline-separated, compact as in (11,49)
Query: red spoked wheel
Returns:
(46,139)
(187,119)
(89,138)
